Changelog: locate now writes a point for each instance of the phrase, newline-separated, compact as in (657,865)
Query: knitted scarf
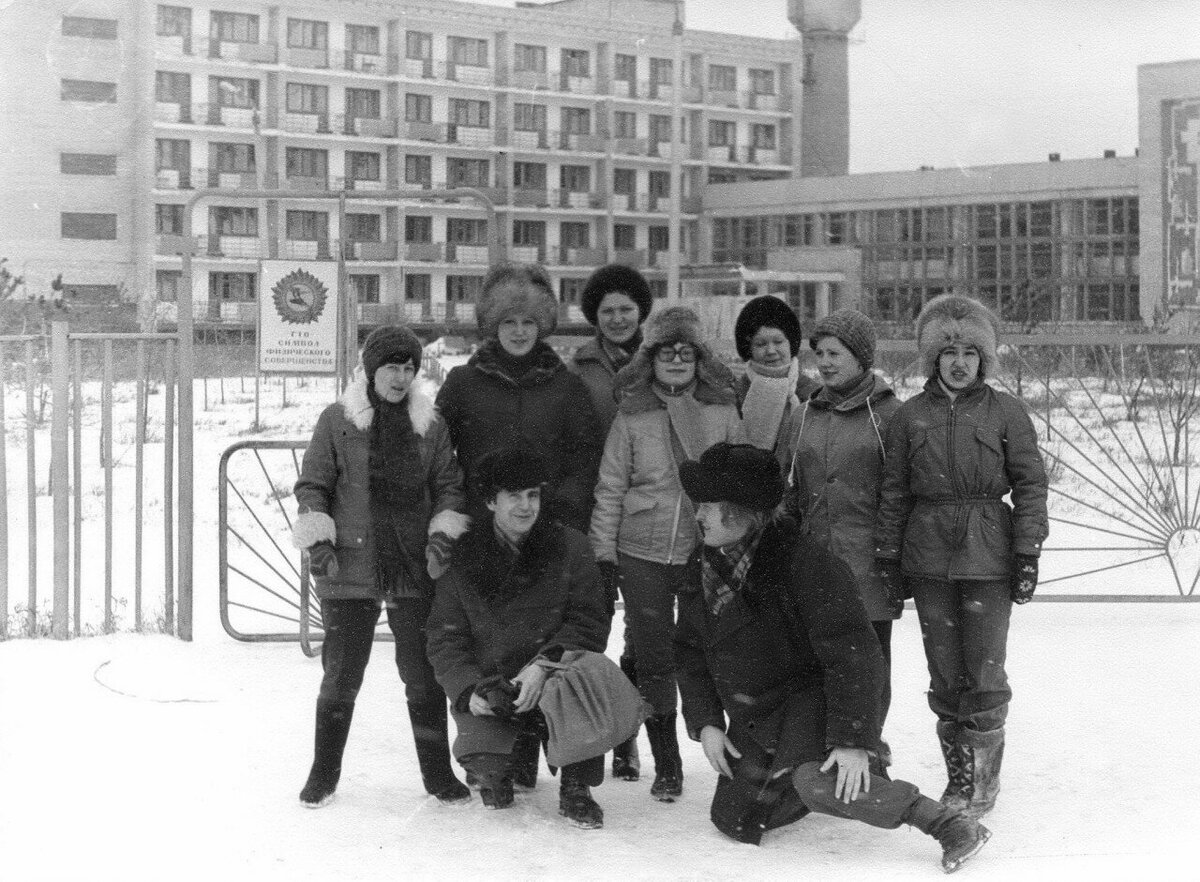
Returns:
(619,354)
(850,392)
(771,391)
(723,570)
(397,489)
(686,416)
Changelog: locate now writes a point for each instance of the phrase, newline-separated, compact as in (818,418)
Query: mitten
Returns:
(500,693)
(892,579)
(1024,578)
(437,554)
(322,560)
(610,576)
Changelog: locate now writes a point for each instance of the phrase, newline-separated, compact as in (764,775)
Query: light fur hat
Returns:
(675,324)
(512,289)
(950,319)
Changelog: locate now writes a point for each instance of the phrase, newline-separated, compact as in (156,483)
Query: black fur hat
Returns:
(766,311)
(739,473)
(390,344)
(616,277)
(512,467)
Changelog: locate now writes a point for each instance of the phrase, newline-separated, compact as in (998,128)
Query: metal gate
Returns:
(103,423)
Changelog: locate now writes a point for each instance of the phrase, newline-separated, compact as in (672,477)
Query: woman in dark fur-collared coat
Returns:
(379,496)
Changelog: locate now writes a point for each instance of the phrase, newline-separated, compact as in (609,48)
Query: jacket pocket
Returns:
(990,450)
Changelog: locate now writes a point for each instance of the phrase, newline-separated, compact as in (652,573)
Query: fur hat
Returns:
(516,288)
(739,473)
(390,344)
(950,319)
(767,311)
(619,278)
(675,324)
(855,330)
(512,467)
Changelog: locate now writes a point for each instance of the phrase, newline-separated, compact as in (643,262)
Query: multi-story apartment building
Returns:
(121,110)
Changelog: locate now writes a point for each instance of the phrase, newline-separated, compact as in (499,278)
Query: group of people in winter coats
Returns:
(763,532)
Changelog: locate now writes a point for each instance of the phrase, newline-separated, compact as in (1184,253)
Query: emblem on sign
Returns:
(300,297)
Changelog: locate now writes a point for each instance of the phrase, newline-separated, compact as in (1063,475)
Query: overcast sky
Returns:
(973,82)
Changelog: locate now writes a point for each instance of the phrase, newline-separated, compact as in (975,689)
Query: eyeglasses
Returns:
(667,353)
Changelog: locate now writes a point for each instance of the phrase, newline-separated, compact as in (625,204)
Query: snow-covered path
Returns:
(143,758)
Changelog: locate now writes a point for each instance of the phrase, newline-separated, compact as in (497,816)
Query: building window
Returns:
(575,234)
(232,286)
(167,284)
(721,133)
(306,162)
(529,118)
(577,120)
(363,166)
(659,238)
(172,155)
(79,225)
(660,128)
(364,288)
(307,226)
(168,220)
(463,289)
(87,163)
(660,183)
(530,234)
(624,237)
(234,27)
(95,28)
(469,112)
(661,71)
(363,103)
(577,62)
(722,78)
(174,21)
(305,34)
(362,39)
(762,82)
(529,175)
(232,158)
(418,228)
(418,287)
(418,45)
(625,180)
(172,88)
(835,228)
(467,50)
(363,227)
(625,68)
(89,90)
(763,136)
(306,98)
(576,178)
(467,172)
(466,231)
(418,108)
(418,170)
(234,92)
(624,124)
(228,220)
(529,58)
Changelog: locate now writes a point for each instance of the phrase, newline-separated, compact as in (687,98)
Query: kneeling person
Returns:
(773,638)
(521,588)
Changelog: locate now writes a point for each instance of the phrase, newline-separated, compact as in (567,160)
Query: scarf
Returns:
(396,491)
(514,366)
(619,354)
(686,417)
(772,391)
(723,570)
(854,390)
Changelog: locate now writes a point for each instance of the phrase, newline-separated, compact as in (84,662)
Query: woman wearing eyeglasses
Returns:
(675,401)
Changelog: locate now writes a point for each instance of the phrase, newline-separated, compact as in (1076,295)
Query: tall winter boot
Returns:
(668,767)
(430,736)
(984,752)
(957,794)
(575,801)
(626,764)
(332,730)
(526,756)
(961,837)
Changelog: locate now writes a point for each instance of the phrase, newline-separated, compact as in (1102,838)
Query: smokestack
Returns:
(823,79)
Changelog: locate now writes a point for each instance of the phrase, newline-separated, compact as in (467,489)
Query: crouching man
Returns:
(780,670)
(521,589)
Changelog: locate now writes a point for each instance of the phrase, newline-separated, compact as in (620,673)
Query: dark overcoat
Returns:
(592,365)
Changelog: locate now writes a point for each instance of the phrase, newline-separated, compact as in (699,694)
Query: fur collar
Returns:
(358,410)
(490,568)
(545,364)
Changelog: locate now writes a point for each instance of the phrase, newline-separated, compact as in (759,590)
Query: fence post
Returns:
(60,426)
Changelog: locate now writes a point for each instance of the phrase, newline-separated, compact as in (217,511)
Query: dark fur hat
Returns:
(512,467)
(739,473)
(767,311)
(951,319)
(516,288)
(390,344)
(616,277)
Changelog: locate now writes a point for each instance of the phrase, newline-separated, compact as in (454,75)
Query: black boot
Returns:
(668,767)
(961,837)
(525,756)
(433,752)
(332,729)
(575,801)
(957,794)
(626,764)
(985,752)
(493,773)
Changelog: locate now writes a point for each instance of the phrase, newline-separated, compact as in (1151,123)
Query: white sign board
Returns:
(298,317)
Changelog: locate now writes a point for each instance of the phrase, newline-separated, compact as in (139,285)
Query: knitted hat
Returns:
(512,467)
(512,289)
(767,311)
(740,473)
(855,330)
(621,279)
(675,324)
(390,344)
(951,319)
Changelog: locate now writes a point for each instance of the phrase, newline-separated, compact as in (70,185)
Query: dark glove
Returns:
(892,579)
(437,554)
(1024,578)
(322,561)
(610,577)
(500,694)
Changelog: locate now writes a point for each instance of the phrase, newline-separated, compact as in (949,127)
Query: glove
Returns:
(610,579)
(1024,578)
(500,693)
(437,554)
(322,560)
(892,579)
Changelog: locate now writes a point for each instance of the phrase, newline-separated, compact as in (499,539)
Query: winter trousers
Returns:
(350,635)
(649,590)
(964,625)
(887,804)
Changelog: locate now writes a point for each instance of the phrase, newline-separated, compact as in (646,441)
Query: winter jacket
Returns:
(950,464)
(835,466)
(592,365)
(641,509)
(548,409)
(494,612)
(333,490)
(791,662)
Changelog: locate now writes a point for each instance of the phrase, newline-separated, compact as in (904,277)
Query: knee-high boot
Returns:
(626,764)
(332,730)
(431,738)
(958,786)
(984,752)
(668,767)
(960,836)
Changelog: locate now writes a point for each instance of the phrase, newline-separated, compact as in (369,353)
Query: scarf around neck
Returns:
(619,354)
(848,393)
(396,490)
(724,570)
(686,416)
(770,394)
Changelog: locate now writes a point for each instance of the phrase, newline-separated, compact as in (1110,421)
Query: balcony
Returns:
(529,79)
(173,47)
(359,185)
(425,252)
(306,184)
(308,58)
(227,180)
(576,199)
(173,179)
(469,136)
(477,255)
(255,53)
(527,253)
(174,245)
(170,112)
(576,85)
(384,251)
(572,256)
(363,62)
(308,123)
(233,117)
(308,249)
(762,101)
(423,131)
(370,127)
(721,153)
(665,149)
(530,197)
(759,156)
(585,143)
(230,246)
(526,140)
(636,258)
(631,146)
(724,98)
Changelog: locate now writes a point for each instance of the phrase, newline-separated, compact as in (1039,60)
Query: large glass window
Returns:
(362,166)
(418,170)
(529,175)
(722,78)
(467,172)
(234,27)
(577,62)
(172,88)
(469,112)
(236,92)
(624,124)
(418,45)
(306,162)
(363,103)
(362,39)
(307,226)
(625,68)
(529,58)
(302,33)
(577,120)
(762,82)
(236,158)
(307,98)
(468,51)
(174,21)
(529,117)
(168,220)
(90,91)
(418,108)
(228,220)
